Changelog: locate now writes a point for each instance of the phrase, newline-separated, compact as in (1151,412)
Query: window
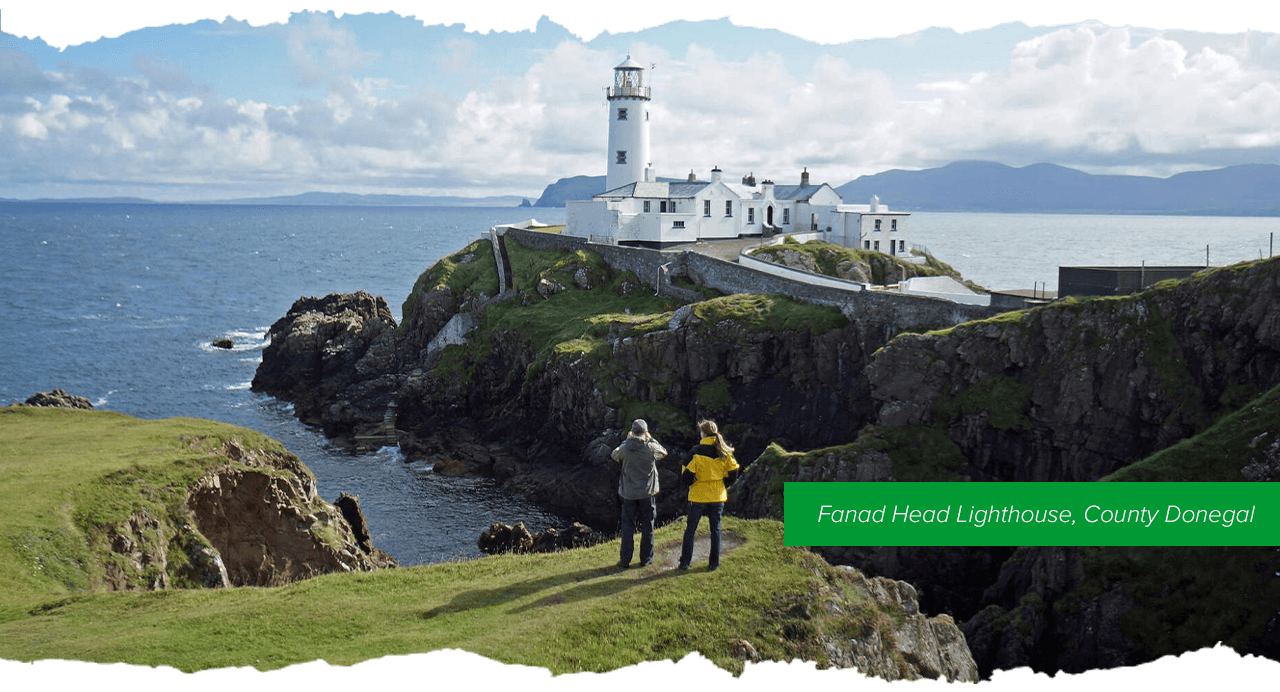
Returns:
(786,216)
(646,116)
(866,245)
(622,158)
(728,207)
(877,226)
(877,246)
(677,224)
(902,246)
(663,206)
(751,214)
(893,226)
(646,206)
(706,207)
(622,114)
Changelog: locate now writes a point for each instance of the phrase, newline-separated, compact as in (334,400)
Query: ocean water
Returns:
(120,304)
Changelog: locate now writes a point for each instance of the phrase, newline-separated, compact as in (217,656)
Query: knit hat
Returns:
(639,427)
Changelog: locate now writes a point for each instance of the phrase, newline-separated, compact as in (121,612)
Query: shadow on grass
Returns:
(606,580)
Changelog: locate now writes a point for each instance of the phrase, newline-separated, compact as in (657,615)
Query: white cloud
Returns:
(1090,97)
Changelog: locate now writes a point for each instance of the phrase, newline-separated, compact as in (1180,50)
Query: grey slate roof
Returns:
(795,192)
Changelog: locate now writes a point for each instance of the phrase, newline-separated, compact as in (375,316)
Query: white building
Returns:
(636,209)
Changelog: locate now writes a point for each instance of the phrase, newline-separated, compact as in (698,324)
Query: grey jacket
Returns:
(639,478)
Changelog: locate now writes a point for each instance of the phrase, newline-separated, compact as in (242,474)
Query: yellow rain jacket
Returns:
(709,471)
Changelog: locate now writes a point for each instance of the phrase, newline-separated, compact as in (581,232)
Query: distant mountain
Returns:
(578,187)
(565,189)
(354,200)
(981,186)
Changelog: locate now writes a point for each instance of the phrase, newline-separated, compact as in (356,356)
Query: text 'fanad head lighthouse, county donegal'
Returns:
(628,125)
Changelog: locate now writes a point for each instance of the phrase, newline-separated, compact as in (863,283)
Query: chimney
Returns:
(804,177)
(875,203)
(692,178)
(715,174)
(749,180)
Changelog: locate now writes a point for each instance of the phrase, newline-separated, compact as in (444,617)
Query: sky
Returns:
(324,108)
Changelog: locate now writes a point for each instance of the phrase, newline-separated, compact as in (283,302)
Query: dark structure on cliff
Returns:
(1115,281)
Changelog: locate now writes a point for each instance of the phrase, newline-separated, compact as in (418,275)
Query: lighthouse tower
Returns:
(628,125)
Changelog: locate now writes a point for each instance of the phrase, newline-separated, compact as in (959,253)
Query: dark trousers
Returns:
(637,515)
(713,510)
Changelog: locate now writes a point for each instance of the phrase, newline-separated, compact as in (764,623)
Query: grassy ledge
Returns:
(65,472)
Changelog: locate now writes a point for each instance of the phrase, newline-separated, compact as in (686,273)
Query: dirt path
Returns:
(666,556)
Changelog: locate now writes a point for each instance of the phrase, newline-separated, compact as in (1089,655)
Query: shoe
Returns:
(683,567)
(646,563)
(623,565)
(713,568)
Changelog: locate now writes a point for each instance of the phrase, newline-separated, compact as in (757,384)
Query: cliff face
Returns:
(256,521)
(535,384)
(1077,391)
(1074,391)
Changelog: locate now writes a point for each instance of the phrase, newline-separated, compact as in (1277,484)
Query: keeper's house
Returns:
(636,209)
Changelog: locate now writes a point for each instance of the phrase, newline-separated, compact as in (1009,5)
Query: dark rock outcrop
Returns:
(58,399)
(224,343)
(335,358)
(269,527)
(254,521)
(506,538)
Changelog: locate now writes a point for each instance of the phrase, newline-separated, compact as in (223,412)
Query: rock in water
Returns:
(58,399)
(335,359)
(224,343)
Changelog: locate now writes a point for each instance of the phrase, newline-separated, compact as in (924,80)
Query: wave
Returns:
(102,400)
(238,387)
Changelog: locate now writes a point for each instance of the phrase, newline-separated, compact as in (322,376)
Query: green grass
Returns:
(68,475)
(1217,454)
(65,471)
(471,268)
(569,611)
(772,312)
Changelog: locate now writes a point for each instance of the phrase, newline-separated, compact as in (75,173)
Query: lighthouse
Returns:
(628,151)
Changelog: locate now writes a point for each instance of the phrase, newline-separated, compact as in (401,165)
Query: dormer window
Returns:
(622,114)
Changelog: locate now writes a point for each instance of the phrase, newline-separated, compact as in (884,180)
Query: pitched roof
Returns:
(656,190)
(795,192)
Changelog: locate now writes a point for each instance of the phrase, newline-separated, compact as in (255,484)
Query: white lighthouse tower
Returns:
(628,125)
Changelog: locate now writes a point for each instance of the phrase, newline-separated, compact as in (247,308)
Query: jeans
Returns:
(713,510)
(637,514)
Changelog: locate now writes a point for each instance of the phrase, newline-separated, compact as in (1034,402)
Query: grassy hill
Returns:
(66,473)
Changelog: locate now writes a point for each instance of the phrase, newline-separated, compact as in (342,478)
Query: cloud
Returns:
(1095,98)
(317,48)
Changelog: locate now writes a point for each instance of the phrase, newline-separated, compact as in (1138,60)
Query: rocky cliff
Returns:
(1078,391)
(105,501)
(255,521)
(534,384)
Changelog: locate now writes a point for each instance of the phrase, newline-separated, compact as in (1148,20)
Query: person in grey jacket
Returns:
(638,487)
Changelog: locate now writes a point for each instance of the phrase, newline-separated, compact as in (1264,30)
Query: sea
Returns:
(120,303)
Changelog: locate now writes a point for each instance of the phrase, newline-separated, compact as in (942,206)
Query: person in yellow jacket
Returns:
(708,472)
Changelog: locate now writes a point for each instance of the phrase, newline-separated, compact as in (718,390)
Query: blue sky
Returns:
(259,101)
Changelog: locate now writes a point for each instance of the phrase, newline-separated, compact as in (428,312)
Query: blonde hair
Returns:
(708,428)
